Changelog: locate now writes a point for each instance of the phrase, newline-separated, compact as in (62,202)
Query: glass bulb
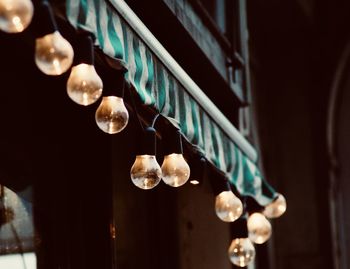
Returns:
(15,15)
(241,252)
(276,208)
(228,207)
(84,86)
(53,54)
(175,170)
(259,228)
(112,116)
(145,172)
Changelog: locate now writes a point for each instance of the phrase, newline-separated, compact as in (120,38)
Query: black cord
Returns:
(155,119)
(135,110)
(123,88)
(244,202)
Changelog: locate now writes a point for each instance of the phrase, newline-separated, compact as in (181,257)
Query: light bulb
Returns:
(145,172)
(53,54)
(15,15)
(228,207)
(259,228)
(84,86)
(241,252)
(175,170)
(276,208)
(112,116)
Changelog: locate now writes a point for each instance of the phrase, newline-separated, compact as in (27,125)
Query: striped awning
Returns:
(158,87)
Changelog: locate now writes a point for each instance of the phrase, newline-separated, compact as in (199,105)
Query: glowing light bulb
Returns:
(276,208)
(259,228)
(228,207)
(175,170)
(241,252)
(145,172)
(53,54)
(84,86)
(15,15)
(112,116)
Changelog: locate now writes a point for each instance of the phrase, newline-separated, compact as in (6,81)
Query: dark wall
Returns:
(53,145)
(294,57)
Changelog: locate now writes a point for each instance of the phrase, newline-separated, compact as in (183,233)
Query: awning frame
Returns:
(190,86)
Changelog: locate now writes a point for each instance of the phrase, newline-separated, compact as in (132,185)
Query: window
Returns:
(216,9)
(16,231)
(226,19)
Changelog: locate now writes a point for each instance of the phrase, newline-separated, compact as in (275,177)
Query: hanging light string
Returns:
(49,39)
(241,251)
(277,208)
(112,115)
(15,16)
(110,108)
(53,53)
(228,207)
(146,173)
(84,87)
(54,56)
(259,228)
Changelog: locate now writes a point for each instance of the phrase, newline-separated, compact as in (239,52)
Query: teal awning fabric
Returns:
(158,88)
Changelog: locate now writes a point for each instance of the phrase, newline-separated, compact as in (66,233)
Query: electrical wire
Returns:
(133,104)
(155,120)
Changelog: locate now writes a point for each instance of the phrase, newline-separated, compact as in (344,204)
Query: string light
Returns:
(259,228)
(146,172)
(53,53)
(54,56)
(228,207)
(112,116)
(276,208)
(241,251)
(84,86)
(15,15)
(175,170)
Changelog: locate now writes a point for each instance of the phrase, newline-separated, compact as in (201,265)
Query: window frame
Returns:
(235,45)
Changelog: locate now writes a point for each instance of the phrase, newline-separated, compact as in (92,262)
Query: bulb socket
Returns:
(84,49)
(114,83)
(45,22)
(252,206)
(220,184)
(239,228)
(148,144)
(173,143)
(198,168)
